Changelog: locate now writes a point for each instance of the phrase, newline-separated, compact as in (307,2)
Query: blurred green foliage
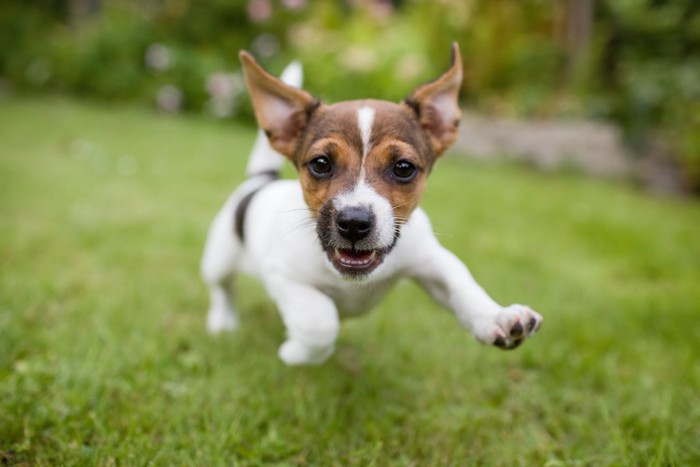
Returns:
(640,65)
(649,72)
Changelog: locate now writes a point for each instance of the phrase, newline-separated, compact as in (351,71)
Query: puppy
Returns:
(331,244)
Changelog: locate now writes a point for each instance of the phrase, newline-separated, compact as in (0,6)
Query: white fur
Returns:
(263,158)
(365,119)
(363,195)
(282,251)
(293,74)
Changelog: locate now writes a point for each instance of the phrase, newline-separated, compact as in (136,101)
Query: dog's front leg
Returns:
(311,319)
(450,283)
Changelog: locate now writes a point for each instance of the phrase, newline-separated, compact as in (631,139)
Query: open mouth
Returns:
(355,262)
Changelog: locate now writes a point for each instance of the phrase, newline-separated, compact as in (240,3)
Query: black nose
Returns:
(354,224)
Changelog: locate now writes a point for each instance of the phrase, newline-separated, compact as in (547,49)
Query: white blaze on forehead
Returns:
(365,118)
(362,195)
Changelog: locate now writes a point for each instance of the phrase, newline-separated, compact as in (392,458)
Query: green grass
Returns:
(104,357)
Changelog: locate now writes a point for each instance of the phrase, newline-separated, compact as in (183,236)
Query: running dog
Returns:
(333,242)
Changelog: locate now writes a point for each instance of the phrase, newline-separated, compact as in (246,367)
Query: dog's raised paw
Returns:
(514,324)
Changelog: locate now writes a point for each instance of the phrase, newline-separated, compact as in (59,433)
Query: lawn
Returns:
(104,356)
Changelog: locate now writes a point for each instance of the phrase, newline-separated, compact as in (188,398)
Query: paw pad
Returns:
(516,330)
(516,323)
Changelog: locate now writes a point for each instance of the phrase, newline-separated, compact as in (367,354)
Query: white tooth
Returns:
(372,256)
(336,253)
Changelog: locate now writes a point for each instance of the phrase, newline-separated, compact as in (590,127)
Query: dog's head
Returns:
(363,164)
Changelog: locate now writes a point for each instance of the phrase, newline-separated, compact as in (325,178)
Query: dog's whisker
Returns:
(313,194)
(301,224)
(304,209)
(404,204)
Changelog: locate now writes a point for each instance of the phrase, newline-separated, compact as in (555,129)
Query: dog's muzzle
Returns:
(350,240)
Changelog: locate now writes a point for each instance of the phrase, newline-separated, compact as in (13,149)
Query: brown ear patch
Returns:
(282,111)
(436,105)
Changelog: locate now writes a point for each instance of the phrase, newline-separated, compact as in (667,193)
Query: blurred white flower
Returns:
(410,67)
(223,108)
(157,57)
(294,4)
(265,45)
(224,84)
(302,34)
(224,90)
(359,59)
(259,10)
(169,98)
(380,9)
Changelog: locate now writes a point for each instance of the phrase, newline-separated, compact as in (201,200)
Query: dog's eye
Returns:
(320,167)
(403,171)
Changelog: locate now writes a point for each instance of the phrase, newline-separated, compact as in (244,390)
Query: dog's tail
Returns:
(264,159)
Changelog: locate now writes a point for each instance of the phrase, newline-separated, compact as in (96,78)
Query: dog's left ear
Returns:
(437,107)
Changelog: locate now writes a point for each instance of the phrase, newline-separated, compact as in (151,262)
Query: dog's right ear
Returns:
(282,111)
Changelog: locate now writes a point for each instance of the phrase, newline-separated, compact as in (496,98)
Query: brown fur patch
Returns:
(403,197)
(395,135)
(436,105)
(346,169)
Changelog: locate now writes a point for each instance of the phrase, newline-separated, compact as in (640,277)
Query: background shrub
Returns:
(638,66)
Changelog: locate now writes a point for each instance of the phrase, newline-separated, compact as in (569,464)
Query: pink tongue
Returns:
(356,255)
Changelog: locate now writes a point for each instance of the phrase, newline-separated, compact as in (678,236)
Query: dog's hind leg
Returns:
(219,264)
